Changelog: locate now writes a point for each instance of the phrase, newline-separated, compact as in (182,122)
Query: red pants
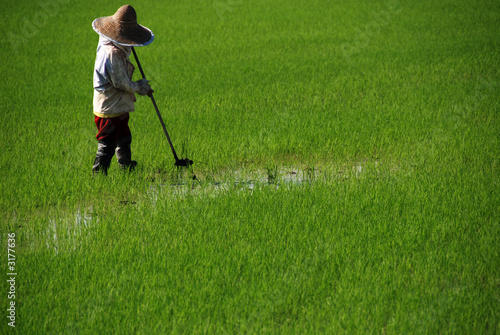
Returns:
(112,129)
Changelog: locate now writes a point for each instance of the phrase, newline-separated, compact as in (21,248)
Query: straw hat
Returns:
(122,28)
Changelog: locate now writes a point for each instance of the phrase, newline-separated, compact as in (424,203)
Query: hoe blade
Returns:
(183,162)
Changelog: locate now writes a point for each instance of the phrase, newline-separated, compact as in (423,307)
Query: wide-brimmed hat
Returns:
(122,28)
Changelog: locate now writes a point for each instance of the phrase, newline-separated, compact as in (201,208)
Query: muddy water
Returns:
(72,225)
(243,181)
(261,178)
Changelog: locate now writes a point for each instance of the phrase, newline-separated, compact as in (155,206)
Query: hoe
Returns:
(178,161)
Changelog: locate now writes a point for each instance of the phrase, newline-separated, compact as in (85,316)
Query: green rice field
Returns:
(346,175)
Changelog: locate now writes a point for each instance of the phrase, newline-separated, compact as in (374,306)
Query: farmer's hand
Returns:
(144,88)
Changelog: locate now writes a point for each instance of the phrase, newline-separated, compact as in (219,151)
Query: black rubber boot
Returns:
(105,152)
(124,154)
(130,167)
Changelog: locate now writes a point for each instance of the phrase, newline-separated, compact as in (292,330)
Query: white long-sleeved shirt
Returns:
(114,91)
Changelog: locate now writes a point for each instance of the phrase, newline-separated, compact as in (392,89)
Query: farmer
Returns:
(114,90)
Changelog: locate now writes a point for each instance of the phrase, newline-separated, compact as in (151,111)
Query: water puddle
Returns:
(240,180)
(250,180)
(71,227)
